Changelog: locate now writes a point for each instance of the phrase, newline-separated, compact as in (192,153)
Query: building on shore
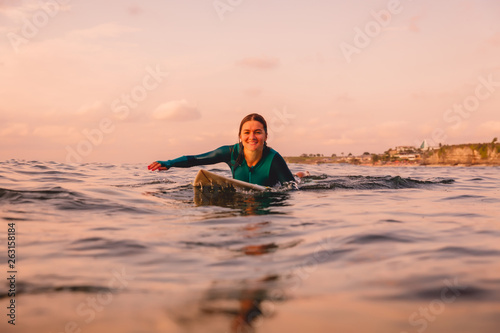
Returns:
(405,149)
(426,147)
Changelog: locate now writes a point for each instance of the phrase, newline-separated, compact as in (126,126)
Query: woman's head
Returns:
(256,117)
(253,132)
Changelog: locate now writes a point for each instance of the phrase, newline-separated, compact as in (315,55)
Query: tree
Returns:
(366,153)
(334,155)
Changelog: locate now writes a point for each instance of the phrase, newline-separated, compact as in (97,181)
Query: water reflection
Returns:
(248,203)
(245,304)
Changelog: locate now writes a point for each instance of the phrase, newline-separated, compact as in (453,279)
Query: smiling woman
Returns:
(250,160)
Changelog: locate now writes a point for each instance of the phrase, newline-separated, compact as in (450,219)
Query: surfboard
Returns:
(207,178)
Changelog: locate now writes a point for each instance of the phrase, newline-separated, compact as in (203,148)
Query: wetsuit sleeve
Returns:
(280,171)
(221,154)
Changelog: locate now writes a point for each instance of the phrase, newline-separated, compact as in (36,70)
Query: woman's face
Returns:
(253,135)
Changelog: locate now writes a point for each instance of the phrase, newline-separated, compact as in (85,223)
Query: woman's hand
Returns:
(301,174)
(156,166)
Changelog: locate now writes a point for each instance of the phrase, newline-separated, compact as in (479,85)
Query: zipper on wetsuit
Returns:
(250,175)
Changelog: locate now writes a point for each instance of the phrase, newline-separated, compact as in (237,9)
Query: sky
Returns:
(121,81)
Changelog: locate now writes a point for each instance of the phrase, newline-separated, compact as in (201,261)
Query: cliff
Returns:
(465,154)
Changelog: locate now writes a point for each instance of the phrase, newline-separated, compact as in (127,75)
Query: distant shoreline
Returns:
(291,160)
(463,155)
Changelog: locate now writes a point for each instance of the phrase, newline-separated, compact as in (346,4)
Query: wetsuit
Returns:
(269,171)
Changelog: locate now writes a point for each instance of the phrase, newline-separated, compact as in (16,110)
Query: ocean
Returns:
(115,248)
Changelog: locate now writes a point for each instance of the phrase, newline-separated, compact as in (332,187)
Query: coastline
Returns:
(461,155)
(390,164)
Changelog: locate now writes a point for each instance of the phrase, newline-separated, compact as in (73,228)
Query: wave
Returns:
(63,199)
(26,196)
(99,246)
(368,182)
(378,238)
(151,182)
(466,293)
(30,288)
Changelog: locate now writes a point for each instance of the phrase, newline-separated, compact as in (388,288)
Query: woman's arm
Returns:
(280,170)
(221,154)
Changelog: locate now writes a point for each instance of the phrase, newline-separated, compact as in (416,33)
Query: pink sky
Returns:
(125,81)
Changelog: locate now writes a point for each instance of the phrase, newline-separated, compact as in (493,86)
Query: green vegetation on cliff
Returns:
(461,154)
(464,154)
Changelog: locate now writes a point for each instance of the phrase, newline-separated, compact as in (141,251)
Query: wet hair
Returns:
(256,117)
(250,117)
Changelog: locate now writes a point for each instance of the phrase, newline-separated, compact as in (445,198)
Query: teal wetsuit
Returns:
(269,171)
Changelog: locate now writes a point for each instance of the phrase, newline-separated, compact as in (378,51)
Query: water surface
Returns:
(116,248)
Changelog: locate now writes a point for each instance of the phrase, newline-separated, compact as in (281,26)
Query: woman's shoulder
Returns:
(273,151)
(276,157)
(228,147)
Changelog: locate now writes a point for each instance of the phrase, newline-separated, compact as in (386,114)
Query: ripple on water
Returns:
(378,238)
(106,247)
(464,292)
(465,197)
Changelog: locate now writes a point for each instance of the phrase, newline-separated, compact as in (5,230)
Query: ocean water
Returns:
(116,248)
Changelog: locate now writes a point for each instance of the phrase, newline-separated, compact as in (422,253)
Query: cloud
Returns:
(53,131)
(179,110)
(344,98)
(15,129)
(343,140)
(458,130)
(18,11)
(427,95)
(391,129)
(412,26)
(494,40)
(397,28)
(252,92)
(96,107)
(259,62)
(134,10)
(414,20)
(106,30)
(491,128)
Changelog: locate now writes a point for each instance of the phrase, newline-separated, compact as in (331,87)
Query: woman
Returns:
(250,160)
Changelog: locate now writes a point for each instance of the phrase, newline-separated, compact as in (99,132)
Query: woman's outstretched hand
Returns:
(156,166)
(301,174)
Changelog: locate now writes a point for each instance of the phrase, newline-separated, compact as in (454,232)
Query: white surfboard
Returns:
(204,178)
